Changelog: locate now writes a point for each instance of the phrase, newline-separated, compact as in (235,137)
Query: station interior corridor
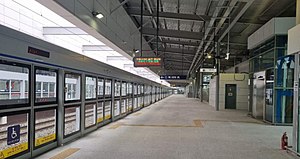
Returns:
(178,127)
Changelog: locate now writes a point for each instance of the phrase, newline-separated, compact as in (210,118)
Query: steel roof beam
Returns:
(173,33)
(186,43)
(170,15)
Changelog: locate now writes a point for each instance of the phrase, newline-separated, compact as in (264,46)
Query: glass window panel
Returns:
(13,88)
(45,86)
(107,110)
(123,106)
(281,41)
(90,115)
(100,113)
(129,104)
(135,89)
(124,89)
(284,106)
(100,87)
(72,84)
(285,72)
(129,88)
(135,103)
(90,87)
(139,89)
(107,87)
(267,60)
(72,120)
(117,108)
(142,89)
(117,89)
(45,127)
(17,124)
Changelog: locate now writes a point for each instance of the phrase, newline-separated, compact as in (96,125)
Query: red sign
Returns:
(146,61)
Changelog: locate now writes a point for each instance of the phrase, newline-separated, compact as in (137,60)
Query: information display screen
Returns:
(146,61)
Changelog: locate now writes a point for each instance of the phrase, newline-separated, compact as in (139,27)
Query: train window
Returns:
(129,88)
(72,120)
(107,110)
(14,130)
(90,115)
(45,85)
(72,87)
(90,87)
(13,83)
(100,87)
(123,89)
(45,127)
(108,88)
(100,112)
(117,89)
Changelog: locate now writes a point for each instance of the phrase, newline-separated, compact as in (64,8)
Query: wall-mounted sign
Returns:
(38,52)
(173,77)
(146,61)
(208,70)
(13,134)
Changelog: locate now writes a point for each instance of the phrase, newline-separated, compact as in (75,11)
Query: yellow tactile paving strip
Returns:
(115,126)
(198,123)
(66,153)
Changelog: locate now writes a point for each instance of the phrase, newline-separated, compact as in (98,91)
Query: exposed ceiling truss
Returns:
(190,29)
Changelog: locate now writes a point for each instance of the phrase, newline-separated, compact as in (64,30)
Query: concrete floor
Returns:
(181,128)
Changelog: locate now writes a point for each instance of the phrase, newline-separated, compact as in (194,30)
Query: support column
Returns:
(296,106)
(201,86)
(298,12)
(217,77)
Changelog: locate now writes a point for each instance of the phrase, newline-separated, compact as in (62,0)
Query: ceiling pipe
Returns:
(151,12)
(237,17)
(207,31)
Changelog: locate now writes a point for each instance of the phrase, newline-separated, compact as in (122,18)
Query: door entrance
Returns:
(230,96)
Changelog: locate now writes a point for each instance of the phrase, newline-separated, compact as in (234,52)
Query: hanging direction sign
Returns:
(173,77)
(208,70)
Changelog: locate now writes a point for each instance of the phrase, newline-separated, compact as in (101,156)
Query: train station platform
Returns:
(179,127)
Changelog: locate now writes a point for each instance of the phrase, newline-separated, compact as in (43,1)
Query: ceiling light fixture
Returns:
(227,56)
(209,56)
(97,15)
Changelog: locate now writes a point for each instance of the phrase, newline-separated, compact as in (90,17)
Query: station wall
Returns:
(241,80)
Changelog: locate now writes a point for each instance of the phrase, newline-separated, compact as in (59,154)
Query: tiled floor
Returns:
(181,128)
